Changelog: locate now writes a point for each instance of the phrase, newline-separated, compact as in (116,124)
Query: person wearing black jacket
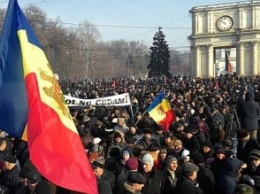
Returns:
(153,176)
(248,112)
(205,176)
(170,173)
(188,183)
(9,177)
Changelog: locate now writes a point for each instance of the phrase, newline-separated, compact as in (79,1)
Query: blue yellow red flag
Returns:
(161,112)
(30,97)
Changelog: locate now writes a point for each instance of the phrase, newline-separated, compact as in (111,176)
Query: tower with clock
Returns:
(227,26)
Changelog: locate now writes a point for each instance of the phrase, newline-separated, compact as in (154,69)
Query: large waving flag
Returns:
(31,98)
(161,112)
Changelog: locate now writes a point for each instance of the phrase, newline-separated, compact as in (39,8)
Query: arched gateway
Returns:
(226,26)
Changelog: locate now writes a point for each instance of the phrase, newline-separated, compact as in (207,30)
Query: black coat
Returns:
(192,144)
(104,186)
(121,179)
(206,179)
(249,112)
(186,186)
(169,184)
(254,174)
(154,182)
(245,147)
(10,178)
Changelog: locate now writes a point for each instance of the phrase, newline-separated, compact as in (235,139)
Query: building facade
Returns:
(225,26)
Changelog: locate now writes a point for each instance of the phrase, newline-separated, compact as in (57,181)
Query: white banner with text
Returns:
(117,100)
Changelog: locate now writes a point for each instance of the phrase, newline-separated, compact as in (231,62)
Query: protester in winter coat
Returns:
(229,176)
(205,176)
(251,175)
(249,112)
(153,176)
(245,145)
(171,174)
(131,165)
(188,183)
(134,184)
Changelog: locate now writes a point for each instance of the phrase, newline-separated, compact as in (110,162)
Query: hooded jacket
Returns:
(248,112)
(227,180)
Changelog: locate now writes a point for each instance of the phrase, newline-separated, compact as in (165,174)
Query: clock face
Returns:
(224,23)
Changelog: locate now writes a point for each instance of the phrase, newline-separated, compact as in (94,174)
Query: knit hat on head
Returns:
(131,164)
(170,159)
(255,154)
(148,159)
(220,150)
(208,144)
(126,152)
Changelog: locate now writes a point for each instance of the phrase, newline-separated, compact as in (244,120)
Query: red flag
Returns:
(228,67)
(54,144)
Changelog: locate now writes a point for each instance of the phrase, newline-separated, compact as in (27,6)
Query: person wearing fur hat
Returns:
(153,176)
(170,173)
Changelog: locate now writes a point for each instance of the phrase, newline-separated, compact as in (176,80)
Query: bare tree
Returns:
(89,35)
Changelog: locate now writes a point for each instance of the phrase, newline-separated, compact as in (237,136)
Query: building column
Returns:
(198,62)
(241,59)
(255,58)
(211,69)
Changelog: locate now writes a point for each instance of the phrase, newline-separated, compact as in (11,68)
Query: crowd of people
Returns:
(212,146)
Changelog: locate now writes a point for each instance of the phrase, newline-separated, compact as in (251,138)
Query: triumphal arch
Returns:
(225,26)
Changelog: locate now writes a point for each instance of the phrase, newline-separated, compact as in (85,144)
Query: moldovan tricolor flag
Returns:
(31,98)
(161,112)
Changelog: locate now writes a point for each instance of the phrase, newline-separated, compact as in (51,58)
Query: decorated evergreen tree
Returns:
(160,56)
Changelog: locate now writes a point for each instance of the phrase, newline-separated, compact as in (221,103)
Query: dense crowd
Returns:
(211,147)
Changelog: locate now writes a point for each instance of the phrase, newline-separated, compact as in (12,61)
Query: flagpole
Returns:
(141,117)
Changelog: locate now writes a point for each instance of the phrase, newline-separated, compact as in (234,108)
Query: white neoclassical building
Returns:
(217,28)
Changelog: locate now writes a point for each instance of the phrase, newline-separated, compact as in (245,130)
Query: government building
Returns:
(225,37)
